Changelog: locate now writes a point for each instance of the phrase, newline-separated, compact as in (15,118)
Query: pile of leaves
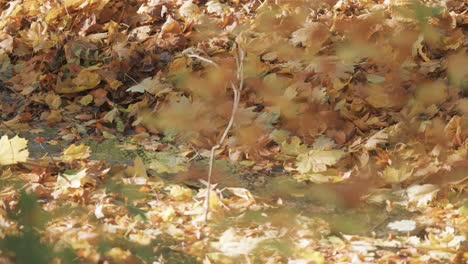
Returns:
(364,99)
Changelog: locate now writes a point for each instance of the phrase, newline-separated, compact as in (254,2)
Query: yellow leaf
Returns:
(86,100)
(179,193)
(313,257)
(295,147)
(118,254)
(76,152)
(318,160)
(114,84)
(13,150)
(168,214)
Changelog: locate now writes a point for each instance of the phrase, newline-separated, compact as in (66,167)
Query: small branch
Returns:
(50,155)
(130,77)
(203,59)
(7,127)
(235,105)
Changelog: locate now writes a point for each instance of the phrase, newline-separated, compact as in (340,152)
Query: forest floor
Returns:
(349,141)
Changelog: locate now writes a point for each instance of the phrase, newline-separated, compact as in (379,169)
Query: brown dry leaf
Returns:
(432,93)
(170,26)
(87,79)
(381,96)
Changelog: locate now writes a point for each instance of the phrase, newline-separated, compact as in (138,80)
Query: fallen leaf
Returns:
(318,160)
(13,150)
(234,244)
(76,152)
(294,148)
(403,225)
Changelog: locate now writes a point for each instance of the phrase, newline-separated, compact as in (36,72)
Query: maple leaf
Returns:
(323,143)
(13,150)
(76,152)
(312,36)
(294,147)
(167,163)
(152,85)
(279,136)
(72,179)
(318,160)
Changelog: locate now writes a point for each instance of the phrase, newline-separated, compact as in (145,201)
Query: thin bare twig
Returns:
(7,127)
(235,105)
(50,155)
(203,59)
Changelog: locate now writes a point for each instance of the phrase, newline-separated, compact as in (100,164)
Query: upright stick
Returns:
(237,92)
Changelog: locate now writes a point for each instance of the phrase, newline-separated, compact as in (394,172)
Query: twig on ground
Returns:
(48,154)
(7,127)
(203,59)
(237,92)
